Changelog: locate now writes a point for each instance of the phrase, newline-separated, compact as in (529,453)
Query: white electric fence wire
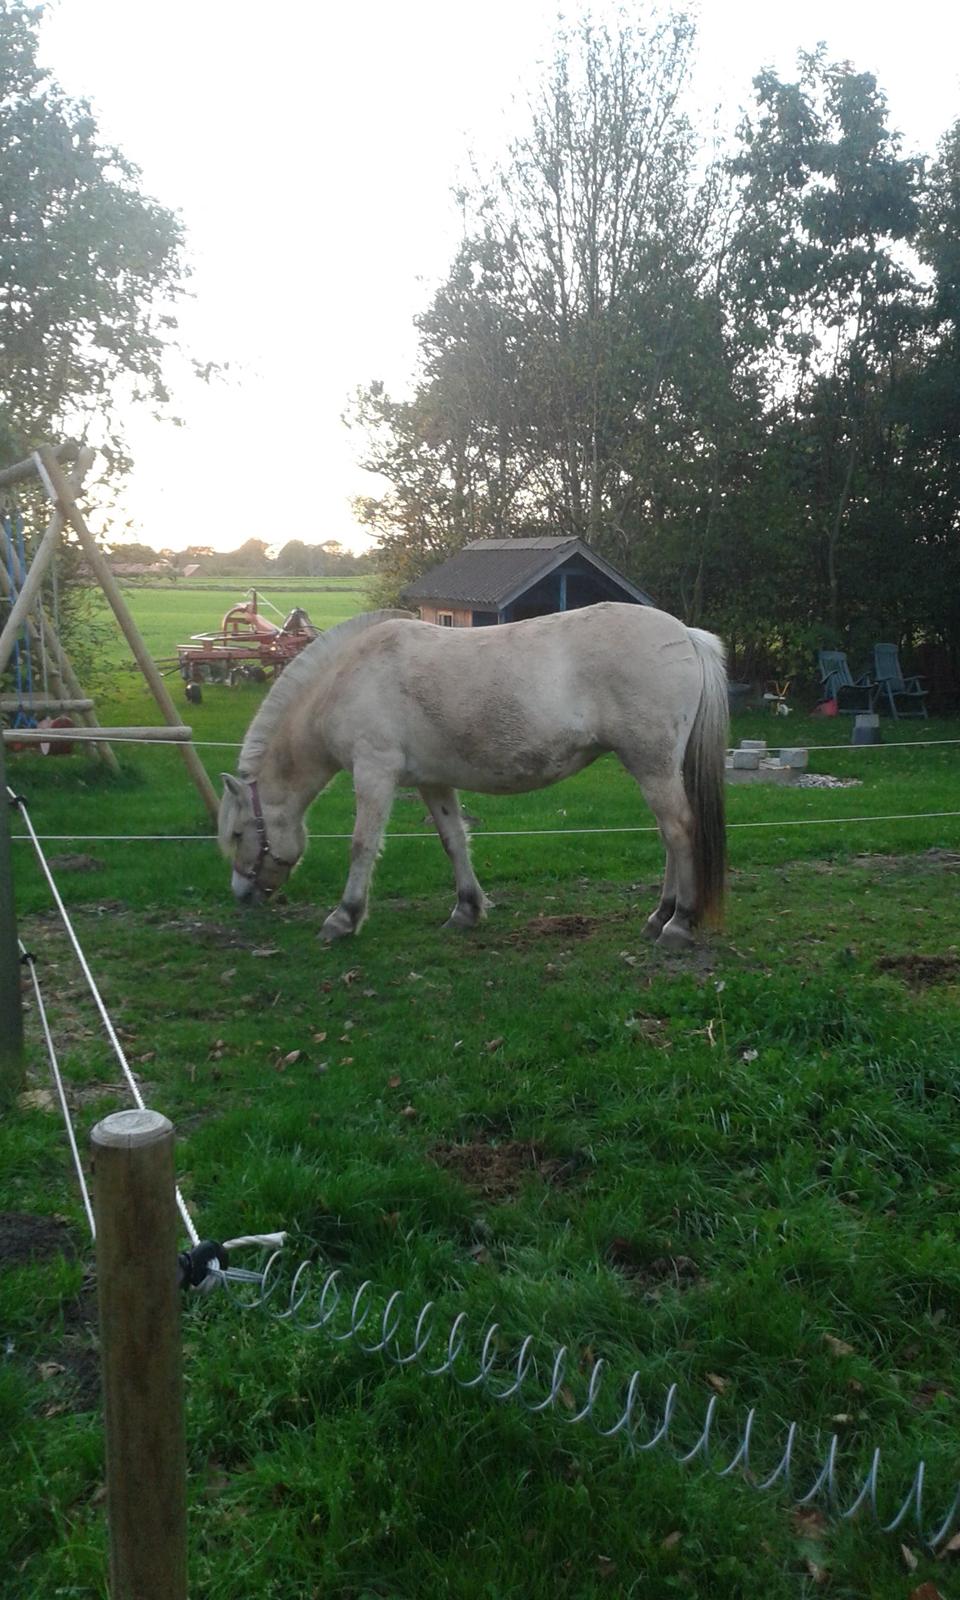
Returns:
(489,833)
(95,992)
(29,961)
(104,736)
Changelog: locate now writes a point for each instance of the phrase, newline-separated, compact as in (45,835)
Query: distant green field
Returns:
(167,614)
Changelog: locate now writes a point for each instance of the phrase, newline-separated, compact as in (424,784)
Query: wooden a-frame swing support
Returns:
(27,611)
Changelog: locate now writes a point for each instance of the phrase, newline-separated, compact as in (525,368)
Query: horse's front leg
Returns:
(472,903)
(374,790)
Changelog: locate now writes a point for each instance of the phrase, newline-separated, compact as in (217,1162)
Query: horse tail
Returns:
(704,780)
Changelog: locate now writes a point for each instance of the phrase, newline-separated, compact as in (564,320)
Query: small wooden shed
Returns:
(506,580)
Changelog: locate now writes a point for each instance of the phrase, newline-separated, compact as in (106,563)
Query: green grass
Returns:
(744,1155)
(167,614)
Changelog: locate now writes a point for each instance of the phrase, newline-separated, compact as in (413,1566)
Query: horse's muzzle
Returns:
(245,889)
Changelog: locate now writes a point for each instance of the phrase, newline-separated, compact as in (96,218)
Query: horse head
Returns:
(264,842)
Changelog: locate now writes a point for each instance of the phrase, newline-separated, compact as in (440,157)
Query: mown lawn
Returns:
(169,613)
(737,1171)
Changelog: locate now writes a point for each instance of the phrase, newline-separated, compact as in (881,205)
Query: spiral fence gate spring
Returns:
(313,1300)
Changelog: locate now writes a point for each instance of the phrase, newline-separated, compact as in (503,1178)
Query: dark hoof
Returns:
(338,925)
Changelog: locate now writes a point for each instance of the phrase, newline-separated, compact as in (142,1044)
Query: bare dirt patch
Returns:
(26,1237)
(935,860)
(651,1274)
(574,925)
(75,863)
(921,971)
(499,1170)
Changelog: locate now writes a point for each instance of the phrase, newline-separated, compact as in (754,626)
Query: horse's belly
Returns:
(501,772)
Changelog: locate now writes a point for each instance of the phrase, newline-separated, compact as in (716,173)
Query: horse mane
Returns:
(296,677)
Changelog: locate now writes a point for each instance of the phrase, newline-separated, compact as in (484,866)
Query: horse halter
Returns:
(263,846)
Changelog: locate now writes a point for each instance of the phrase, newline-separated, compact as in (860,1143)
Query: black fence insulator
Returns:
(194,1265)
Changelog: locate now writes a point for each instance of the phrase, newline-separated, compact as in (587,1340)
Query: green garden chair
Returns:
(905,696)
(851,694)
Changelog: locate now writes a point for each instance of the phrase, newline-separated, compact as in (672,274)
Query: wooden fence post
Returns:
(11,1002)
(141,1355)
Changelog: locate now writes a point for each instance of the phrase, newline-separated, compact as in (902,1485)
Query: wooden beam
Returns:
(101,571)
(62,667)
(167,735)
(27,469)
(11,1000)
(43,705)
(32,580)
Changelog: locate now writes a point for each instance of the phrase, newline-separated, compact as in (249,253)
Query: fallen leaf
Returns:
(493,1044)
(809,1522)
(671,1540)
(838,1347)
(319,1038)
(49,1369)
(926,1591)
(352,976)
(395,1081)
(605,1567)
(909,1559)
(226,977)
(369,994)
(414,977)
(408,1111)
(292,1056)
(720,1385)
(266,950)
(566,1399)
(818,1573)
(951,1548)
(35,1100)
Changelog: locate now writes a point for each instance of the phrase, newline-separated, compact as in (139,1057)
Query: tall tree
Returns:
(90,268)
(828,202)
(554,359)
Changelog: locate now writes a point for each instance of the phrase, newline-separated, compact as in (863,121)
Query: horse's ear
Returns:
(232,785)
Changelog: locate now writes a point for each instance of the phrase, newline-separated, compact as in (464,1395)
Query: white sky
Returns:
(311,151)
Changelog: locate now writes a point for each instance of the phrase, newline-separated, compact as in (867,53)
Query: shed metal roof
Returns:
(490,573)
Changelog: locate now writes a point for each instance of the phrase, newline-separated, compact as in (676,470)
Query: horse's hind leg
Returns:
(658,919)
(672,922)
(445,811)
(374,791)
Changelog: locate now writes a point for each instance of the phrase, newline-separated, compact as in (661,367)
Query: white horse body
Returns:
(497,710)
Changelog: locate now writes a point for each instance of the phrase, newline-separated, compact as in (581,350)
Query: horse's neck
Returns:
(292,776)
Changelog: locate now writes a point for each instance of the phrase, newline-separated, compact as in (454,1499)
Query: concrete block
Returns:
(759,745)
(866,728)
(794,758)
(746,760)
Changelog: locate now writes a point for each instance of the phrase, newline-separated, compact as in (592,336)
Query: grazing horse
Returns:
(501,710)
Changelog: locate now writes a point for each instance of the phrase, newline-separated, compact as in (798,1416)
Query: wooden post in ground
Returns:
(63,497)
(141,1355)
(11,1002)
